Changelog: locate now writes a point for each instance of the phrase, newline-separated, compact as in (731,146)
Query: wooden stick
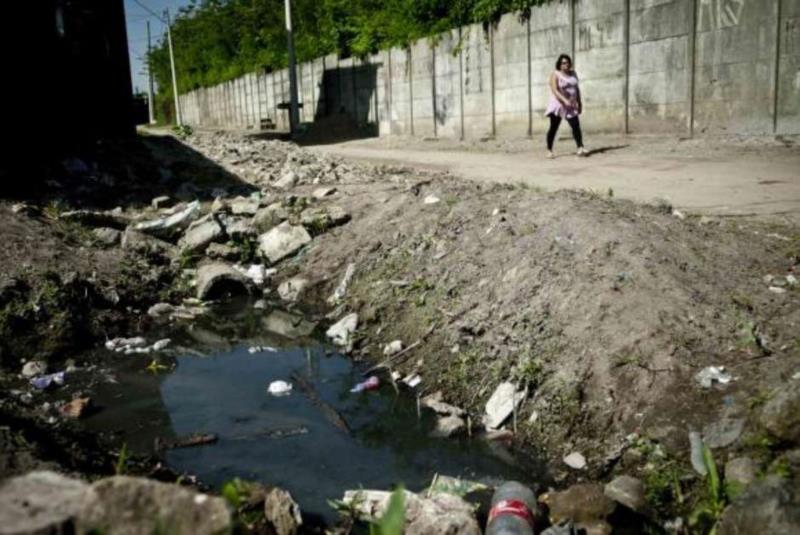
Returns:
(330,413)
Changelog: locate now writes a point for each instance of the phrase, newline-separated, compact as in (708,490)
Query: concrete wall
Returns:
(685,67)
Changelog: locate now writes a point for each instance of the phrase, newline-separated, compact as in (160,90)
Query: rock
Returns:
(40,502)
(771,505)
(270,217)
(217,279)
(201,234)
(585,504)
(162,202)
(287,325)
(282,512)
(244,206)
(321,193)
(628,491)
(33,368)
(282,241)
(147,245)
(160,310)
(438,514)
(392,348)
(319,220)
(781,414)
(723,433)
(288,180)
(575,460)
(125,505)
(76,408)
(219,205)
(107,236)
(502,404)
(222,251)
(740,472)
(448,426)
(341,332)
(435,403)
(431,199)
(238,228)
(292,289)
(170,225)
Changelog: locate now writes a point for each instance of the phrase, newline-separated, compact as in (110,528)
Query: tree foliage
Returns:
(219,40)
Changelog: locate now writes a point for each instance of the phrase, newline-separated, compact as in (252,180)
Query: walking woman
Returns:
(565,103)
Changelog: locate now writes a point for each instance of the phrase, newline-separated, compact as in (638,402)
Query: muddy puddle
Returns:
(218,384)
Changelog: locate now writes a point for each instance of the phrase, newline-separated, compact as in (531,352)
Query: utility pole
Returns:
(150,108)
(294,110)
(178,117)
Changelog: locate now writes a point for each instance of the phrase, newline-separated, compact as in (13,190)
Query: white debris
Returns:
(34,368)
(121,344)
(791,280)
(173,222)
(392,347)
(280,388)
(161,344)
(341,332)
(502,403)
(696,455)
(431,199)
(680,215)
(257,273)
(341,290)
(261,349)
(575,460)
(321,193)
(413,380)
(777,290)
(711,375)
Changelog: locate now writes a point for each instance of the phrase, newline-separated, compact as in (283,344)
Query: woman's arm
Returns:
(578,98)
(556,92)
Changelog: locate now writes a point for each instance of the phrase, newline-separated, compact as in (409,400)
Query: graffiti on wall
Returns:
(719,14)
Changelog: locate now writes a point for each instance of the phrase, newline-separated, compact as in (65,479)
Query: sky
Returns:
(136,18)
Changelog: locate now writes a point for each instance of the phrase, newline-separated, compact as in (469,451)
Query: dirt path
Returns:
(734,178)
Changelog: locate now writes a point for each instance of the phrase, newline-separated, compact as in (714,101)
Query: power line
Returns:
(153,13)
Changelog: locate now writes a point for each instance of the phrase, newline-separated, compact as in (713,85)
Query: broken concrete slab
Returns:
(341,332)
(201,234)
(502,404)
(282,512)
(244,206)
(270,217)
(292,289)
(282,241)
(170,225)
(218,279)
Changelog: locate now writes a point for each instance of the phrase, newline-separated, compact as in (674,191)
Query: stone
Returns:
(723,433)
(288,180)
(435,403)
(270,217)
(341,332)
(439,513)
(575,460)
(33,368)
(201,234)
(147,245)
(741,472)
(244,206)
(170,225)
(431,199)
(282,241)
(218,278)
(448,426)
(219,205)
(771,505)
(502,404)
(288,325)
(291,290)
(40,502)
(781,414)
(239,228)
(392,348)
(163,201)
(629,491)
(583,504)
(76,408)
(107,236)
(282,512)
(160,310)
(123,505)
(321,193)
(319,220)
(222,251)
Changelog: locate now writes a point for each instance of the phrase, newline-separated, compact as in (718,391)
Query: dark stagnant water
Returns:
(218,386)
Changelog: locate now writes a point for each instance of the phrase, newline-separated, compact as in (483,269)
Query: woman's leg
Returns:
(576,131)
(555,121)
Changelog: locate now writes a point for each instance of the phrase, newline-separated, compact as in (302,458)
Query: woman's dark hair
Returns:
(562,57)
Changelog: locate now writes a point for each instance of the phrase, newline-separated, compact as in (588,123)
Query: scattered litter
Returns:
(161,344)
(371,383)
(431,199)
(777,290)
(341,290)
(120,344)
(392,347)
(75,408)
(262,349)
(413,380)
(680,215)
(791,280)
(396,376)
(173,222)
(45,381)
(575,460)
(280,388)
(502,403)
(710,375)
(696,443)
(34,368)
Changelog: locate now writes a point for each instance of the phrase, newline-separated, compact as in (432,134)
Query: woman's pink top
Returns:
(568,86)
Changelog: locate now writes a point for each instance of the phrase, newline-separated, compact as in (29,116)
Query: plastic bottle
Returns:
(514,510)
(371,383)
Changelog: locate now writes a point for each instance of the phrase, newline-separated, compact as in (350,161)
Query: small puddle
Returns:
(218,386)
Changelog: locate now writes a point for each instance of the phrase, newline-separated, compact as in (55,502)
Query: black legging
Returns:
(555,122)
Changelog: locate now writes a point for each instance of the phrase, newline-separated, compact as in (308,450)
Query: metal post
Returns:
(492,80)
(693,59)
(433,89)
(178,116)
(150,107)
(294,115)
(461,80)
(627,61)
(777,82)
(530,81)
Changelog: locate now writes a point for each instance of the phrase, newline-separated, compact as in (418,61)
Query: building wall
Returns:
(645,66)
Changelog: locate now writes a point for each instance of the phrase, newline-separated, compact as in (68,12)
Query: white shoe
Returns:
(582,152)
(550,155)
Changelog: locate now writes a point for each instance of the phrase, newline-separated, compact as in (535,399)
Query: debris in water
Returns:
(262,349)
(190,441)
(575,460)
(370,384)
(280,388)
(710,375)
(45,381)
